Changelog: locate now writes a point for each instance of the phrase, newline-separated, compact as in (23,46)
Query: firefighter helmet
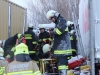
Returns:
(41,27)
(68,23)
(30,25)
(46,48)
(1,52)
(21,49)
(52,13)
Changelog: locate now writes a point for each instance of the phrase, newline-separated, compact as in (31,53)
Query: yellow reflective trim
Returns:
(58,31)
(8,56)
(21,73)
(4,74)
(34,42)
(70,57)
(49,39)
(66,29)
(73,50)
(13,49)
(63,52)
(76,38)
(45,39)
(32,52)
(28,36)
(37,73)
(71,38)
(40,40)
(2,70)
(62,67)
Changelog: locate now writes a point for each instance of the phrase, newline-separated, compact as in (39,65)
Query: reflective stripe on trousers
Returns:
(24,73)
(31,52)
(62,67)
(68,52)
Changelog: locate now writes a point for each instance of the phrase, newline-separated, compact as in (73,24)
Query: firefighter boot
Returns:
(63,72)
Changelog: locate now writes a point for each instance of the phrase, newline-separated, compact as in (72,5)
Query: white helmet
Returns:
(68,23)
(1,52)
(30,26)
(52,13)
(41,26)
(46,48)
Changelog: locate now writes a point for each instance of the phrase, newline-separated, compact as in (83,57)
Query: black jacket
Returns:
(31,40)
(73,40)
(44,38)
(9,44)
(62,43)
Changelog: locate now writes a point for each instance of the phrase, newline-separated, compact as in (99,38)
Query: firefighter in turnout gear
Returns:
(22,65)
(70,26)
(44,38)
(3,62)
(62,45)
(31,42)
(73,39)
(9,46)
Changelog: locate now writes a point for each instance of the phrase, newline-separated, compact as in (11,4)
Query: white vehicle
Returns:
(89,26)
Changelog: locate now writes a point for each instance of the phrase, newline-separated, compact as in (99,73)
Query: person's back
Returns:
(22,65)
(30,38)
(22,68)
(31,42)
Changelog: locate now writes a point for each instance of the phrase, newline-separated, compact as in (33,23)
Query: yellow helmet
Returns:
(21,49)
(1,52)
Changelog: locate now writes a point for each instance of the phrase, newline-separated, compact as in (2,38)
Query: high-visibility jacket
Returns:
(22,68)
(61,45)
(3,64)
(31,41)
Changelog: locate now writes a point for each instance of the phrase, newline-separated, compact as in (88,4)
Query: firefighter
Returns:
(73,40)
(31,42)
(22,65)
(62,46)
(70,26)
(44,38)
(9,46)
(3,62)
